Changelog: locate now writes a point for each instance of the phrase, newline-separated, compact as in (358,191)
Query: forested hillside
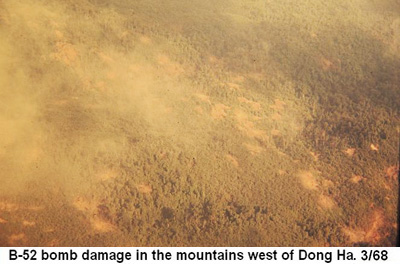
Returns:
(199,123)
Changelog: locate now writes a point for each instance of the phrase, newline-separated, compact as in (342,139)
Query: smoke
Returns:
(20,132)
(68,98)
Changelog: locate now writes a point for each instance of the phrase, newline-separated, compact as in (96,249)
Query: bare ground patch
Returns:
(248,128)
(326,202)
(370,233)
(96,213)
(254,149)
(218,111)
(308,180)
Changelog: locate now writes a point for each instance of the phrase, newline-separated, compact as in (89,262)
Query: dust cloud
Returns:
(210,123)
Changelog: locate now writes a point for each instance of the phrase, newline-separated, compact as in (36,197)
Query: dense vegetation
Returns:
(199,123)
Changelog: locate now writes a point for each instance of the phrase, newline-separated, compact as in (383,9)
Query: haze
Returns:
(199,123)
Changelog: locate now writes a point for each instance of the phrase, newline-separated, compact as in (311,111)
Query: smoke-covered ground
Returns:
(201,123)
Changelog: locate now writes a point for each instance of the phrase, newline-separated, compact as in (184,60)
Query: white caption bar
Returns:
(118,255)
